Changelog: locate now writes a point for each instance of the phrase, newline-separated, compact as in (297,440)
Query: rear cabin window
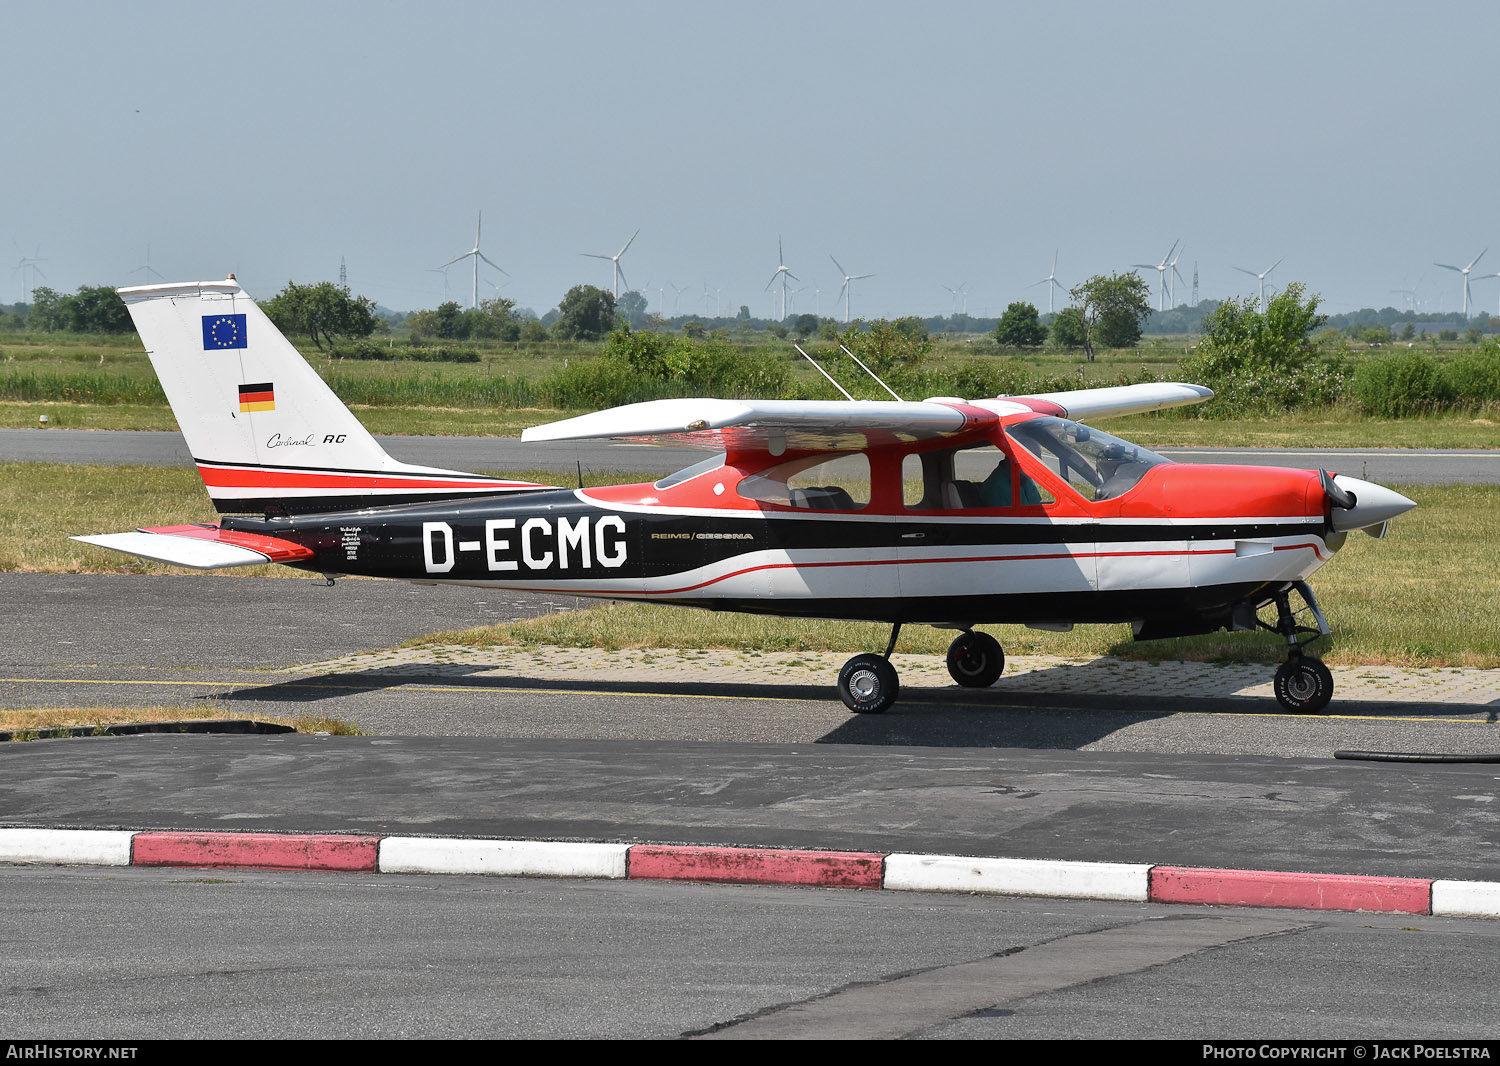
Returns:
(813,483)
(976,477)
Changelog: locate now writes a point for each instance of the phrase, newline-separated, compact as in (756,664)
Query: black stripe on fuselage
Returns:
(386,541)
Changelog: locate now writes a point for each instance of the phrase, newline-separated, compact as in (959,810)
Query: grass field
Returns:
(1425,595)
(108,383)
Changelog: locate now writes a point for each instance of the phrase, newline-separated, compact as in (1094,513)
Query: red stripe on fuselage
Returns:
(912,562)
(220,478)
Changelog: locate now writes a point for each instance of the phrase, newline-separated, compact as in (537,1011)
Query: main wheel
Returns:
(1304,686)
(975,660)
(868,684)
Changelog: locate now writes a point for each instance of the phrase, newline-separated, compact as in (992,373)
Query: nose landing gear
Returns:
(1303,685)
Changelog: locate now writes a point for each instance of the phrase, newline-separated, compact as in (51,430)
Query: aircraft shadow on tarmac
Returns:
(1005,715)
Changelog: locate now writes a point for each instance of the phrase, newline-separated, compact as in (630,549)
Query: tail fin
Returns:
(265,430)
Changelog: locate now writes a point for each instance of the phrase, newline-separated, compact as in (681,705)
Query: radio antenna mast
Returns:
(867,370)
(820,370)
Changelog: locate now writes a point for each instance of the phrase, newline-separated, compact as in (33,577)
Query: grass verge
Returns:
(28,723)
(1424,596)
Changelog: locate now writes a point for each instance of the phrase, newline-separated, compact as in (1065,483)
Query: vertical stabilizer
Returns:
(266,432)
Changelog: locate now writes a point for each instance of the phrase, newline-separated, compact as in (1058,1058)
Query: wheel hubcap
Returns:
(1302,686)
(864,684)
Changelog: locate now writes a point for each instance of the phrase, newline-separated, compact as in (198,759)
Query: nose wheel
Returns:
(1303,685)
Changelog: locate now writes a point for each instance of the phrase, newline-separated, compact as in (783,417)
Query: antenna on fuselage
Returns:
(867,370)
(820,370)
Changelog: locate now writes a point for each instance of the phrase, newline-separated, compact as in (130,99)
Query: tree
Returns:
(1021,327)
(805,325)
(48,310)
(1067,329)
(320,312)
(493,320)
(1112,309)
(585,314)
(92,309)
(450,324)
(632,306)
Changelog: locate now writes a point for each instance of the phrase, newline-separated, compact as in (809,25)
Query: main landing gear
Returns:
(868,683)
(1303,685)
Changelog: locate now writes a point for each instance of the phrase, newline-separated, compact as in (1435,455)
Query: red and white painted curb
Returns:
(1130,882)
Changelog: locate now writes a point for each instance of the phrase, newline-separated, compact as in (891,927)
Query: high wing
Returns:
(1081,405)
(770,425)
(775,425)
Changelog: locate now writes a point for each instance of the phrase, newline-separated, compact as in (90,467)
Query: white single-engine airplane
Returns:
(948,512)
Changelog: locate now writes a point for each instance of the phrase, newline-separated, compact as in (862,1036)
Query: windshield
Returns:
(1098,466)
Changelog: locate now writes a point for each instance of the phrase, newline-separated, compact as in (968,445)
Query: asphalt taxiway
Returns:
(1198,776)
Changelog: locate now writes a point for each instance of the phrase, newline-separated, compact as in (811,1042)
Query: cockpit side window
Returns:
(1096,465)
(974,477)
(814,482)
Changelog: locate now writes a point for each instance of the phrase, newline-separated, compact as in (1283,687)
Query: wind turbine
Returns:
(146,266)
(1172,280)
(615,259)
(1262,278)
(1161,273)
(478,255)
(782,273)
(677,291)
(443,271)
(958,294)
(1484,277)
(1052,288)
(29,262)
(1465,272)
(848,277)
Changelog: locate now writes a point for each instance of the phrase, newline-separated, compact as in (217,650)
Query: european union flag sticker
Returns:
(223,331)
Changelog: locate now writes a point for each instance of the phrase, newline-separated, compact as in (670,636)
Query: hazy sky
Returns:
(928,143)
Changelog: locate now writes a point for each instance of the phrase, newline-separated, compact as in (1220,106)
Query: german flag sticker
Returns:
(257,397)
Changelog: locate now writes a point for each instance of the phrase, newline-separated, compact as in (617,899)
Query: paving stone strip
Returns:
(1023,673)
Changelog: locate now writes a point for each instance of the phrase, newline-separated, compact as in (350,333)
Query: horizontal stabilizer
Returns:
(204,547)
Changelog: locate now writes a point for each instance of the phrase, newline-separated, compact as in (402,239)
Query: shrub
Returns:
(1474,377)
(1407,383)
(1264,361)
